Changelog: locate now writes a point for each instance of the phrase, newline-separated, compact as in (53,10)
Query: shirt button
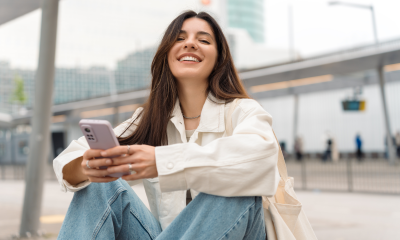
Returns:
(170,165)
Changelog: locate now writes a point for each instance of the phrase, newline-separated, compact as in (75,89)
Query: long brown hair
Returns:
(224,84)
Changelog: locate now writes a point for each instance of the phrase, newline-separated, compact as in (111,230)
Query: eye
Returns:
(204,41)
(179,39)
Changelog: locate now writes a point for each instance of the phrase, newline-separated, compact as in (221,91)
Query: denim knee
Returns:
(102,191)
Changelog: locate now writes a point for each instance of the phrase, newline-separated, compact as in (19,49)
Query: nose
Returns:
(190,43)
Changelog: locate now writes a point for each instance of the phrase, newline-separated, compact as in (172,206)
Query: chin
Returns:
(189,73)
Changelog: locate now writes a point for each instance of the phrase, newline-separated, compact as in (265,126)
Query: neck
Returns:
(192,96)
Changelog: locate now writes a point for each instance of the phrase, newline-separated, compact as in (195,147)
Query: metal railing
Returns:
(350,175)
(17,172)
(368,175)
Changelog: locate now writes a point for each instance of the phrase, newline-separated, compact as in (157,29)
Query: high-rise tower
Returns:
(249,15)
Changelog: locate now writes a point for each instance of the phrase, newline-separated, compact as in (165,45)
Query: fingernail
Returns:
(103,153)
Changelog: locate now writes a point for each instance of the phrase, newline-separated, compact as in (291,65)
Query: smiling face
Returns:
(194,54)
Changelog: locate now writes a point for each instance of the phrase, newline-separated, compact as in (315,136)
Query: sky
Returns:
(319,27)
(101,32)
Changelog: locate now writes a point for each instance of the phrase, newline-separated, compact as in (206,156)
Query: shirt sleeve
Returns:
(244,164)
(77,148)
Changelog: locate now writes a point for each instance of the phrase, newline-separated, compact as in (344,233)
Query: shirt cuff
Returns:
(171,167)
(77,187)
(60,162)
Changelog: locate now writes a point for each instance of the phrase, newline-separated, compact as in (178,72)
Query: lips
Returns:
(190,57)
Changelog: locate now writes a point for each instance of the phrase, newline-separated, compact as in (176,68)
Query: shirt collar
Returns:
(212,116)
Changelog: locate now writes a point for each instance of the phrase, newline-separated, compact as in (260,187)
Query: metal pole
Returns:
(39,139)
(374,25)
(15,172)
(370,7)
(224,15)
(391,153)
(303,174)
(349,175)
(291,34)
(295,121)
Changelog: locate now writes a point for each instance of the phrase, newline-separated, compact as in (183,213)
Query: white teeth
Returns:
(189,58)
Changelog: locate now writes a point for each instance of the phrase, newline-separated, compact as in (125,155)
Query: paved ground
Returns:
(334,216)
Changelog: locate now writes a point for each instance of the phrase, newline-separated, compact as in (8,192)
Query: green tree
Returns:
(19,96)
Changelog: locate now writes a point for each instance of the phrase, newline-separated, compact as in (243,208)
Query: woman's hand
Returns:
(141,157)
(93,172)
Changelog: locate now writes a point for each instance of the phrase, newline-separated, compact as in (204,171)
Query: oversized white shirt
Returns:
(243,164)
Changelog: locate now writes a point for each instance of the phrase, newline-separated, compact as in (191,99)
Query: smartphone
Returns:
(100,135)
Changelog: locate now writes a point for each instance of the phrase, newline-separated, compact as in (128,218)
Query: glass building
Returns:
(249,15)
(77,84)
(133,72)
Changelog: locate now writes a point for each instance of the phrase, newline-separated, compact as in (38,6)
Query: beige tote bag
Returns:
(284,216)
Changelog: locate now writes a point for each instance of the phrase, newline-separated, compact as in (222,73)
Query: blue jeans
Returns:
(114,211)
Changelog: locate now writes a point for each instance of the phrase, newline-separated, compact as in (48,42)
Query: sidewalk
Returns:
(334,216)
(54,207)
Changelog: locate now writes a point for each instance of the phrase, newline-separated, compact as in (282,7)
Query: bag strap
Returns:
(229,130)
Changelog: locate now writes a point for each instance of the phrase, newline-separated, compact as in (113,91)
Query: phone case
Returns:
(100,135)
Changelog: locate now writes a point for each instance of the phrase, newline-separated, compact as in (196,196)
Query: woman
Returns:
(176,142)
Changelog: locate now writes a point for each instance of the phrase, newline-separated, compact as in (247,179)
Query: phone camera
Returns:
(87,130)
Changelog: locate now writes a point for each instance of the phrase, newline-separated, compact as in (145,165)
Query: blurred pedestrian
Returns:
(298,147)
(283,149)
(398,143)
(359,153)
(328,151)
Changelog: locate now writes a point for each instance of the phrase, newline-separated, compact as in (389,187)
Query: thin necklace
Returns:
(190,117)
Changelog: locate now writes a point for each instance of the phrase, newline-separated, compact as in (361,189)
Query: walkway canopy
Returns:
(12,9)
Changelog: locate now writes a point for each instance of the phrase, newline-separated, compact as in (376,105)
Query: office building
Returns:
(77,84)
(133,72)
(248,15)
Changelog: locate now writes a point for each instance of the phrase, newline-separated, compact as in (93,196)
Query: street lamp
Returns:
(291,35)
(381,77)
(356,5)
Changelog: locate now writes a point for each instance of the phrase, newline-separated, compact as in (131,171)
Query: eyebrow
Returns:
(198,33)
